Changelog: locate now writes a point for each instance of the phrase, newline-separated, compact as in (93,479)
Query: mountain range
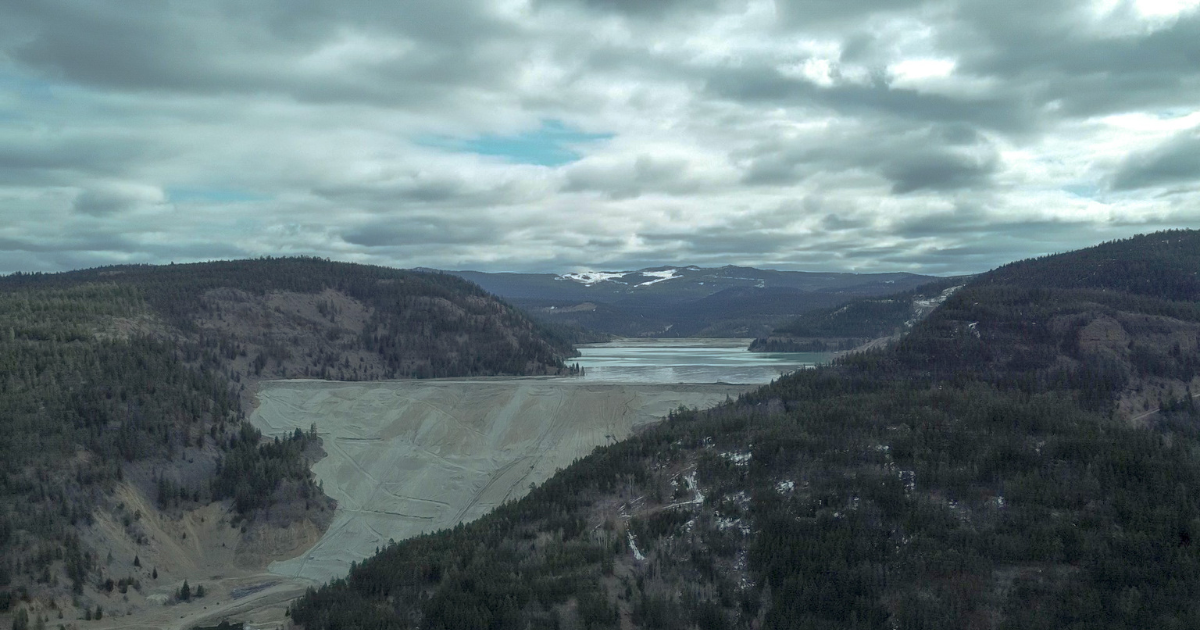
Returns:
(683,301)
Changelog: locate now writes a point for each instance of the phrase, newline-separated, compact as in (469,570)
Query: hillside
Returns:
(684,301)
(858,321)
(984,472)
(134,381)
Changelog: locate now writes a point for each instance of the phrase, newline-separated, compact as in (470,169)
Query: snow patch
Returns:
(637,554)
(665,274)
(690,480)
(738,459)
(785,486)
(937,301)
(909,479)
(724,523)
(592,277)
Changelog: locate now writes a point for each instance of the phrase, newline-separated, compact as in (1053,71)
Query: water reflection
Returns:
(688,361)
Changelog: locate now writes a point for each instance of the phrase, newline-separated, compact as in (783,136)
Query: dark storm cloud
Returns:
(1175,161)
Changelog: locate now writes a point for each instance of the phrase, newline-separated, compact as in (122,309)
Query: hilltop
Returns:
(1021,458)
(125,391)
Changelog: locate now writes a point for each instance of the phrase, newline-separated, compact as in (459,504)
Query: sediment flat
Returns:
(410,457)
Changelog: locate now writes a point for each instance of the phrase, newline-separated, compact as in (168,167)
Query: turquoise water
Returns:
(688,361)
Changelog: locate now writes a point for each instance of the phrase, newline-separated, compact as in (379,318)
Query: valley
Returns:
(629,483)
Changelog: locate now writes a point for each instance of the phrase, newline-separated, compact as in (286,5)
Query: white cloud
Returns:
(938,137)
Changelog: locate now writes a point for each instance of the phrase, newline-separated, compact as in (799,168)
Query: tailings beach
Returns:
(409,457)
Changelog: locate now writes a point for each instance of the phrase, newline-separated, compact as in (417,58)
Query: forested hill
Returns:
(858,321)
(1023,458)
(108,373)
(1164,265)
(375,322)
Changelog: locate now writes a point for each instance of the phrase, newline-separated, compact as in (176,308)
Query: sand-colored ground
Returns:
(410,457)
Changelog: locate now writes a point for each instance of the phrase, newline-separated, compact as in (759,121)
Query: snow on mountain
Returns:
(592,277)
(665,274)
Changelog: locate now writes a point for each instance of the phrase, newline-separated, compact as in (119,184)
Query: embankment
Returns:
(409,457)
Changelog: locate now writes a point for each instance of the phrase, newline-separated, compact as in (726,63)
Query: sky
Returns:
(557,135)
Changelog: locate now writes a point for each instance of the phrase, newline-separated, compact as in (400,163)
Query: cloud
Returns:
(943,137)
(635,8)
(1175,161)
(110,198)
(942,158)
(625,178)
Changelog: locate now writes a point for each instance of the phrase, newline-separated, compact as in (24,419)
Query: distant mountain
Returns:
(684,301)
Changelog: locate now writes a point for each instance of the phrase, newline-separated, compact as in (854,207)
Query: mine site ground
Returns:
(402,458)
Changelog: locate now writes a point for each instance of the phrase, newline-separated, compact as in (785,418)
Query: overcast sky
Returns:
(556,135)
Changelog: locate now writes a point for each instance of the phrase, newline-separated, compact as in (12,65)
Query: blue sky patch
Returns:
(553,144)
(1084,190)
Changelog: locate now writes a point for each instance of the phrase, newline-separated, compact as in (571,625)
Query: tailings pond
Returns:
(409,457)
(689,361)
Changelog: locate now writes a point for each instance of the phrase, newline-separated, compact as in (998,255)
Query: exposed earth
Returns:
(410,457)
(402,458)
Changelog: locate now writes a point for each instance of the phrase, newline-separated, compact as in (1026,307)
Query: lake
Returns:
(688,361)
